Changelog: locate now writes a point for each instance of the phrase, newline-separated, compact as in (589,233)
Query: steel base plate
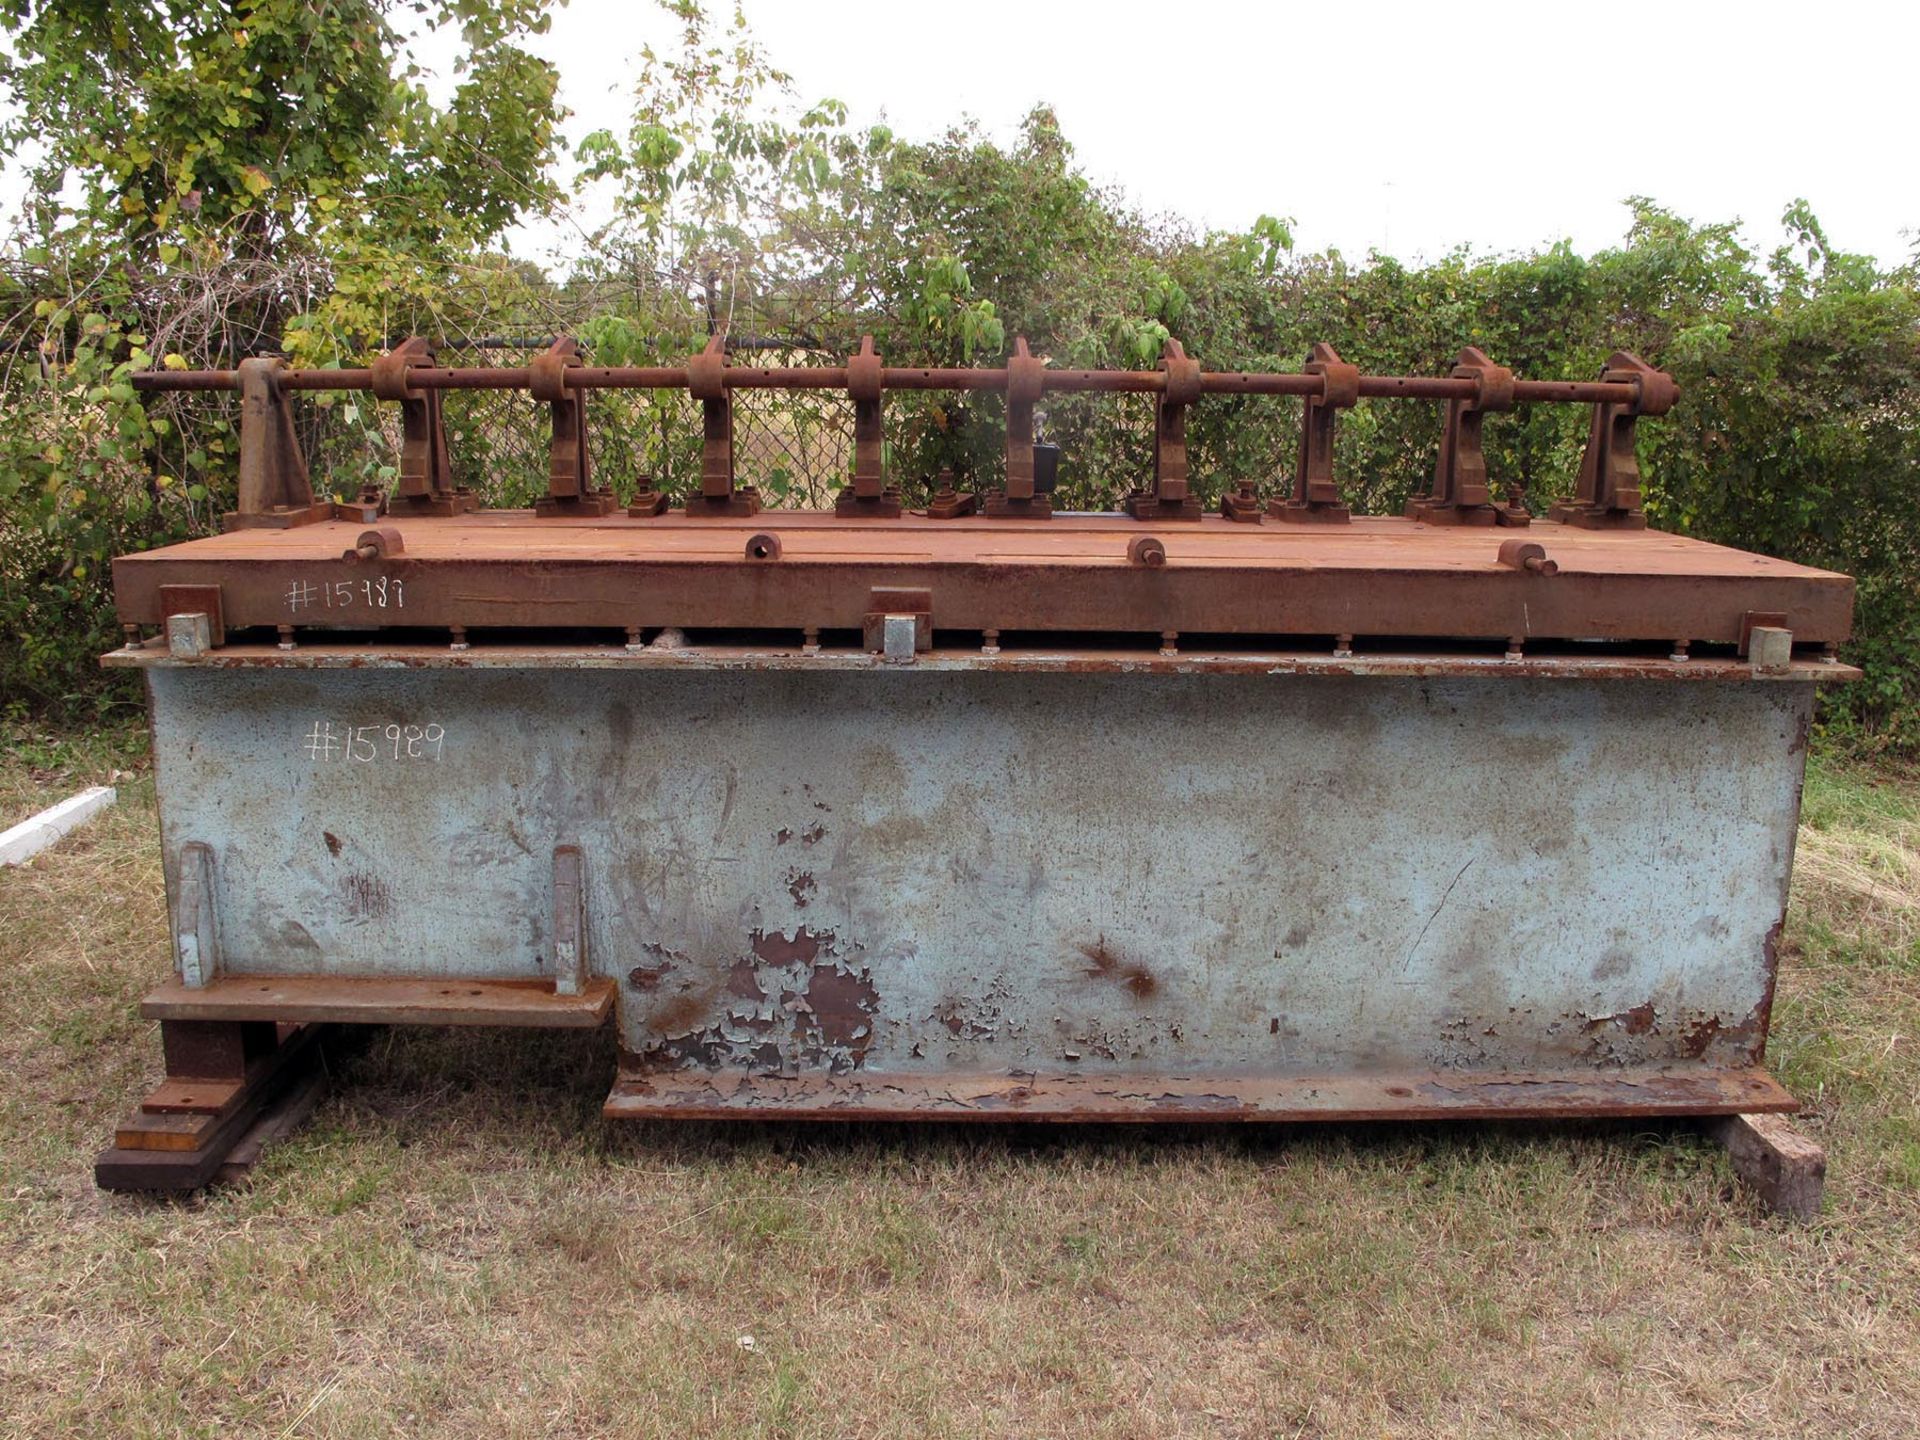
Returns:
(1419,1095)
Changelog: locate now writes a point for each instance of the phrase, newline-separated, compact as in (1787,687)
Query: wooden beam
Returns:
(1785,1168)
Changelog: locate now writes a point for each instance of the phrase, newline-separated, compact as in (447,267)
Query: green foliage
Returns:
(206,181)
(274,173)
(272,119)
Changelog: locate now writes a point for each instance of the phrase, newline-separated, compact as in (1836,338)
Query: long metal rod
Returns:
(834,377)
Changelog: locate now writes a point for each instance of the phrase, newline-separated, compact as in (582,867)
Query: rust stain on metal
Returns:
(962,1019)
(800,948)
(676,1014)
(1697,1037)
(843,1003)
(792,1003)
(1103,964)
(743,981)
(1203,1103)
(647,978)
(1761,1021)
(1637,1020)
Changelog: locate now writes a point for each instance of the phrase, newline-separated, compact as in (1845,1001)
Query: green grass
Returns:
(456,1244)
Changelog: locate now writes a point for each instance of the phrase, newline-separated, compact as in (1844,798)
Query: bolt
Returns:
(1145,550)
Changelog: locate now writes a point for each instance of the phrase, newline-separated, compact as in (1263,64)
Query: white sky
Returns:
(1406,127)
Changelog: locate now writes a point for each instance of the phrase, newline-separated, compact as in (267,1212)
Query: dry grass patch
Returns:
(457,1245)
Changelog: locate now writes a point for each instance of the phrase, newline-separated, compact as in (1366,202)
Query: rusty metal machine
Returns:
(986,810)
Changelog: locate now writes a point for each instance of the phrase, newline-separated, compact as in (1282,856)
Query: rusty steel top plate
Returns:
(346,654)
(1374,577)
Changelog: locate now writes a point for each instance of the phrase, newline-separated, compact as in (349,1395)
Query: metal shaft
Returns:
(834,377)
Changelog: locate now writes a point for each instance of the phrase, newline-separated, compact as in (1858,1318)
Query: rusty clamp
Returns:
(1528,555)
(275,489)
(1608,495)
(1170,498)
(426,472)
(383,542)
(1315,498)
(1026,381)
(569,482)
(869,495)
(707,383)
(1460,494)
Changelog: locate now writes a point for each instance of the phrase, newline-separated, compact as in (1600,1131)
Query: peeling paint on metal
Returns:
(934,872)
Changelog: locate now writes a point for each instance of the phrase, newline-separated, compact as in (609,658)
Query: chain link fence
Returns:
(795,446)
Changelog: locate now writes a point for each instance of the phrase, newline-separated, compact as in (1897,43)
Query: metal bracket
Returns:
(426,483)
(196,939)
(276,492)
(189,635)
(1770,650)
(948,503)
(190,600)
(1025,383)
(1608,497)
(1460,493)
(1528,555)
(383,542)
(569,480)
(1146,550)
(1241,504)
(869,495)
(1170,498)
(898,624)
(647,502)
(1316,495)
(707,383)
(569,920)
(897,639)
(1755,619)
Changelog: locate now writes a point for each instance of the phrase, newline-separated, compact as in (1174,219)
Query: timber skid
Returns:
(227,1084)
(986,809)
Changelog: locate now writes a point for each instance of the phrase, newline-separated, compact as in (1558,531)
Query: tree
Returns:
(211,180)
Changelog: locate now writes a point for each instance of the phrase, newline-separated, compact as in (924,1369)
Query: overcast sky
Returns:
(1405,127)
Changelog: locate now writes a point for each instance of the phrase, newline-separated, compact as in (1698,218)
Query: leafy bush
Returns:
(219,219)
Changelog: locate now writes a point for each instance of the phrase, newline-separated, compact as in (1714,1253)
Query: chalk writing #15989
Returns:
(372,744)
